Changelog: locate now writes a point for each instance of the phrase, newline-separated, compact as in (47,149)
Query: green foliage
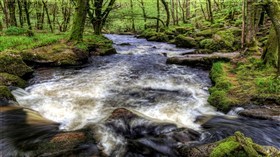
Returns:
(209,44)
(23,42)
(15,31)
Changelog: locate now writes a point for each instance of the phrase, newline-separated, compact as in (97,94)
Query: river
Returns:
(138,79)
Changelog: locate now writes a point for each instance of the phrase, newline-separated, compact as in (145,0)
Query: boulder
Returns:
(271,112)
(13,64)
(187,42)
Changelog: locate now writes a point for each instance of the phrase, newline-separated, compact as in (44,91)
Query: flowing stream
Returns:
(138,79)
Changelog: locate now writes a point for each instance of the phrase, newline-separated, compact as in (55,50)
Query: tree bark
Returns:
(132,16)
(26,10)
(48,16)
(158,15)
(79,20)
(142,6)
(20,12)
(167,12)
(12,12)
(272,8)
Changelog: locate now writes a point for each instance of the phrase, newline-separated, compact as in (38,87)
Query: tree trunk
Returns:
(209,9)
(48,16)
(144,13)
(173,11)
(158,15)
(243,23)
(250,24)
(272,7)
(20,12)
(79,20)
(26,10)
(167,12)
(5,11)
(12,12)
(188,9)
(132,16)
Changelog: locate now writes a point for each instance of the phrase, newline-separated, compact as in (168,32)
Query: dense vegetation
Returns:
(67,32)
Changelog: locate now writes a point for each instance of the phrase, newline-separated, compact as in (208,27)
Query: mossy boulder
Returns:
(237,145)
(209,44)
(11,80)
(160,37)
(187,42)
(99,45)
(13,64)
(207,32)
(59,54)
(5,93)
(225,39)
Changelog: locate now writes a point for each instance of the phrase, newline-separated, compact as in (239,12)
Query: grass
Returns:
(23,42)
(248,82)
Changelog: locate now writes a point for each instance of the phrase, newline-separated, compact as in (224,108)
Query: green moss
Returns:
(11,80)
(209,44)
(224,149)
(207,32)
(239,145)
(5,93)
(13,64)
(225,39)
(183,41)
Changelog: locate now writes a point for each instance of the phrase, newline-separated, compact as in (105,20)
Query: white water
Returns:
(141,82)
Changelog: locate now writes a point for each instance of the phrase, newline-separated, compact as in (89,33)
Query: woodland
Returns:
(236,41)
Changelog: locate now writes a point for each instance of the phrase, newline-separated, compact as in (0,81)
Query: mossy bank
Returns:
(19,58)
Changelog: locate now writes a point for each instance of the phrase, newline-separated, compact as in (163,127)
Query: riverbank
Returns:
(19,55)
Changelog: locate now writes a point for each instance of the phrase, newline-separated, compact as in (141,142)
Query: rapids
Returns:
(138,79)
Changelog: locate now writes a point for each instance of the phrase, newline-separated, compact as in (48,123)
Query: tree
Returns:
(97,17)
(167,12)
(272,8)
(79,20)
(12,12)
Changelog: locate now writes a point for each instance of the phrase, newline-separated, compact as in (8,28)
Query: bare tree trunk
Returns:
(48,16)
(183,11)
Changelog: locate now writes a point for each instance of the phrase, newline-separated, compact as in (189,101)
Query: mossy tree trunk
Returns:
(272,8)
(79,20)
(250,23)
(144,13)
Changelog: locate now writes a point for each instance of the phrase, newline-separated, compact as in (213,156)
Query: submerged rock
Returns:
(134,135)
